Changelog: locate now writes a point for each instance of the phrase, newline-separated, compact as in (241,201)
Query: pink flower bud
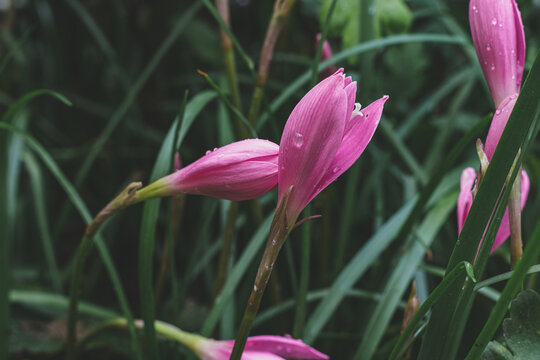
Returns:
(238,171)
(266,347)
(465,199)
(498,36)
(324,135)
(325,55)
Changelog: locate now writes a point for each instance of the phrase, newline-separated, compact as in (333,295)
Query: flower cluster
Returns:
(499,40)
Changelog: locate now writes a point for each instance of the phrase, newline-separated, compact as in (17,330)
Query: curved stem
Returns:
(279,15)
(279,231)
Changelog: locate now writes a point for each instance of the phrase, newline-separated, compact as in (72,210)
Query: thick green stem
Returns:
(279,15)
(124,199)
(514,215)
(276,238)
(74,292)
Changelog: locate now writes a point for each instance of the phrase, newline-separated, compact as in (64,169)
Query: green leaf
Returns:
(401,276)
(522,329)
(236,275)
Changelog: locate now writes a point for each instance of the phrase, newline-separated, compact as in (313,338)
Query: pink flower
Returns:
(325,55)
(465,199)
(498,123)
(264,347)
(498,36)
(238,171)
(324,135)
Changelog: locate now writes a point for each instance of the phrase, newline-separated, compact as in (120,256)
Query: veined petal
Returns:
(310,140)
(465,199)
(259,355)
(502,114)
(497,32)
(504,229)
(283,346)
(238,171)
(358,134)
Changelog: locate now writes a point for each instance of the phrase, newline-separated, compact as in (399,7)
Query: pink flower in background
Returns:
(325,55)
(499,40)
(324,135)
(498,123)
(265,347)
(239,171)
(465,199)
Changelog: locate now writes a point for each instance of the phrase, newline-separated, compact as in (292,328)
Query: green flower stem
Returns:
(125,198)
(164,329)
(279,15)
(514,216)
(279,230)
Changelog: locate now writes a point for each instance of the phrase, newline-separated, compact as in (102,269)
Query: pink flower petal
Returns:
(502,114)
(504,229)
(283,346)
(325,55)
(238,171)
(310,140)
(358,134)
(497,32)
(465,199)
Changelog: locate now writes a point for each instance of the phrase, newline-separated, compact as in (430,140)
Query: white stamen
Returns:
(356,111)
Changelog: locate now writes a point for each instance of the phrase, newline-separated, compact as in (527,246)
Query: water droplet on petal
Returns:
(298,140)
(335,170)
(214,149)
(498,112)
(494,22)
(492,67)
(488,48)
(208,152)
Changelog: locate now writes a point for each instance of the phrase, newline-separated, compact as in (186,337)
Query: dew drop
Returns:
(298,140)
(214,149)
(494,22)
(335,170)
(208,152)
(488,48)
(498,112)
(492,67)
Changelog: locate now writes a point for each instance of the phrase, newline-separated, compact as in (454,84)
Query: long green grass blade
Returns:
(36,181)
(402,275)
(45,300)
(463,268)
(236,275)
(85,214)
(17,105)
